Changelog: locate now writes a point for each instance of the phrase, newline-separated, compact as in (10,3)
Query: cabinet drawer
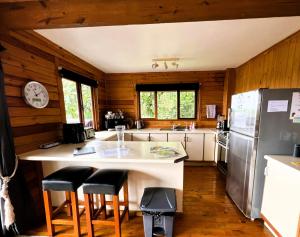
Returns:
(140,137)
(158,137)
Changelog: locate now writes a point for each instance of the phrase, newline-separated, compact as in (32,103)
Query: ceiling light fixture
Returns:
(155,65)
(166,62)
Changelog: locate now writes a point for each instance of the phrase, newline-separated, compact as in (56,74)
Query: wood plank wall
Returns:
(121,94)
(277,67)
(28,56)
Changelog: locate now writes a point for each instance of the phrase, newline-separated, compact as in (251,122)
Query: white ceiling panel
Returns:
(210,45)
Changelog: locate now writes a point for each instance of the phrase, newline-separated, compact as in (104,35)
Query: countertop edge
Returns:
(285,160)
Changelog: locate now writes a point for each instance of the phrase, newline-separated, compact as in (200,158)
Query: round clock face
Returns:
(36,95)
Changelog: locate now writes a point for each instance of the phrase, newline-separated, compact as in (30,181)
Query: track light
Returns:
(155,65)
(172,61)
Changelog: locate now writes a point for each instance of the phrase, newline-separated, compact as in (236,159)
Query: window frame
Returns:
(80,101)
(178,105)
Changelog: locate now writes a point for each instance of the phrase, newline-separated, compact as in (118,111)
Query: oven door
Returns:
(222,157)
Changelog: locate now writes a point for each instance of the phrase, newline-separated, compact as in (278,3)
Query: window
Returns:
(167,105)
(187,104)
(78,102)
(147,104)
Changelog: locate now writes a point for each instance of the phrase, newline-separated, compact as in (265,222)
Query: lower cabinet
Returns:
(140,136)
(280,205)
(199,146)
(128,136)
(177,137)
(194,146)
(209,147)
(158,137)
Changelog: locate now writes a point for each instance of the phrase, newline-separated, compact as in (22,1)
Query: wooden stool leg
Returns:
(48,212)
(117,215)
(69,207)
(92,203)
(76,223)
(89,225)
(125,190)
(103,204)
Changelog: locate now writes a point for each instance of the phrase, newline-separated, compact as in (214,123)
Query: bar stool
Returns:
(106,182)
(67,179)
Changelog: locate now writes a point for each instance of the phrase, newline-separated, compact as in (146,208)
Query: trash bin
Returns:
(158,206)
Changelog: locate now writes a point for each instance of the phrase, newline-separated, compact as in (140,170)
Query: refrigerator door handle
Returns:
(266,172)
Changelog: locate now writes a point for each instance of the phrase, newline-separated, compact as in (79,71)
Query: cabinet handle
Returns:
(266,172)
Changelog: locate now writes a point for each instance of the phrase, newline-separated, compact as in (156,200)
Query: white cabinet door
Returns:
(140,136)
(127,136)
(194,146)
(177,137)
(281,196)
(209,146)
(158,137)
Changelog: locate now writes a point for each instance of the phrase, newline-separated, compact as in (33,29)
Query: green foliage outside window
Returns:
(71,101)
(147,105)
(167,104)
(187,104)
(87,105)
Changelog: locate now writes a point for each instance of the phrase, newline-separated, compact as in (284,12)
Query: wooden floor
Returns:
(207,212)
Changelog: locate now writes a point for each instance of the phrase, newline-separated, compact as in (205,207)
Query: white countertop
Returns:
(286,160)
(107,151)
(157,130)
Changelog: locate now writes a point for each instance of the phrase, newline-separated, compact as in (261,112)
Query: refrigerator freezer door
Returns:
(277,136)
(245,108)
(241,163)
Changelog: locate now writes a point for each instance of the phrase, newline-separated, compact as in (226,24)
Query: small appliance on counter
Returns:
(139,124)
(296,152)
(222,123)
(89,133)
(114,119)
(73,133)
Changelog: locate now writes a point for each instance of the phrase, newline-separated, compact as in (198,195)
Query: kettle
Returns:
(139,124)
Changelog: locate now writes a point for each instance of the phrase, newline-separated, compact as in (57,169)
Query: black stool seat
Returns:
(106,181)
(67,179)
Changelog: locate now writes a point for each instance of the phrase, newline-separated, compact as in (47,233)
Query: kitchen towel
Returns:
(211,111)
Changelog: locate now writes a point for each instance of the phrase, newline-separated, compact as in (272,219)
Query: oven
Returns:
(222,151)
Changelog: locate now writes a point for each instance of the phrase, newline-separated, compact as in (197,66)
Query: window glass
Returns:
(167,104)
(147,104)
(187,104)
(87,103)
(71,101)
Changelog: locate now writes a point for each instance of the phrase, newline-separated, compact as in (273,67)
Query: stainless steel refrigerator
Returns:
(260,125)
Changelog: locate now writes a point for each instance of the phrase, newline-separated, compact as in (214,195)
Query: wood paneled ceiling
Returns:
(40,14)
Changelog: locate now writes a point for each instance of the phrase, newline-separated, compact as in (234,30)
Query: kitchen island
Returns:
(146,169)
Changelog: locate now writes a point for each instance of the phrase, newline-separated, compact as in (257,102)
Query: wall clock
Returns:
(36,95)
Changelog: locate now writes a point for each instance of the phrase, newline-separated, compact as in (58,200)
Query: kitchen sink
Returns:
(171,129)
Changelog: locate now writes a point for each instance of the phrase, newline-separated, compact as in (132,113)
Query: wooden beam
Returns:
(16,15)
(229,83)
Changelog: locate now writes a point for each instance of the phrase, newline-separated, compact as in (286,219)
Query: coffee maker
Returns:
(114,119)
(222,123)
